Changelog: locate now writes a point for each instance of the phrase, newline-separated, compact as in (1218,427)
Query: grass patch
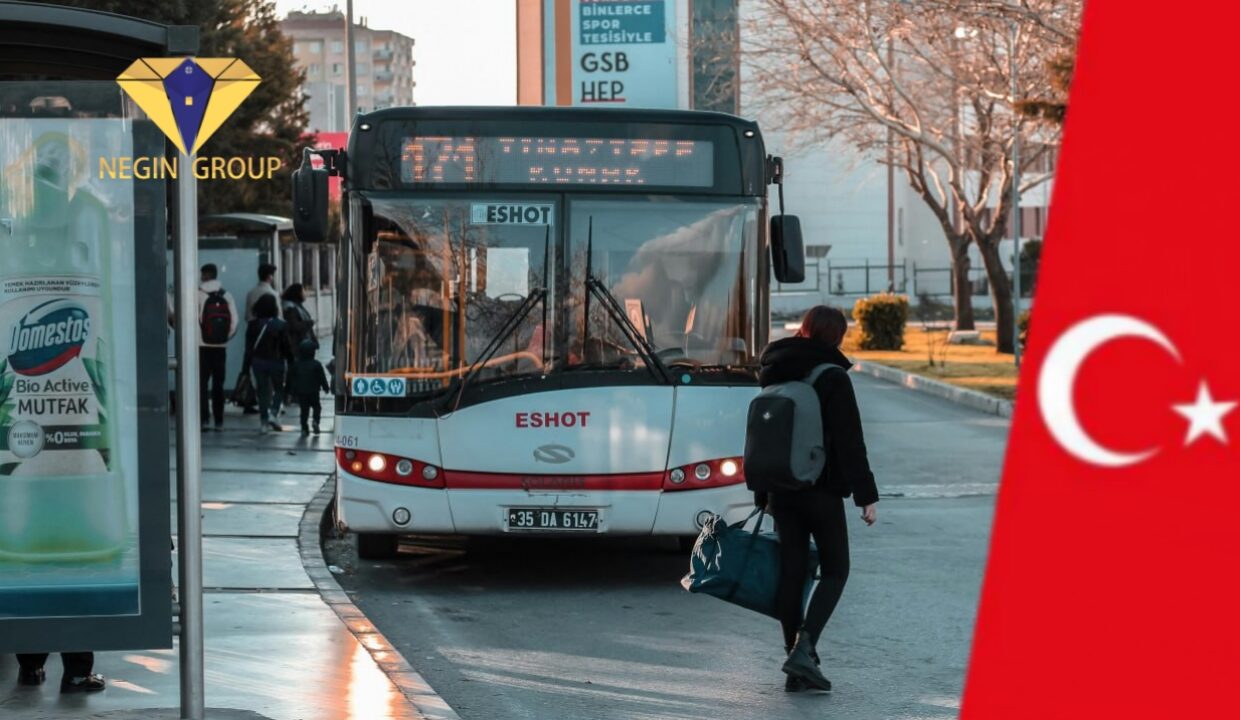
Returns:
(976,367)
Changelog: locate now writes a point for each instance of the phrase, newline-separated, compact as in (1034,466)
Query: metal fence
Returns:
(916,281)
(936,282)
(867,278)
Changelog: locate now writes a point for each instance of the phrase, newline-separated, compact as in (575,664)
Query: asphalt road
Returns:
(602,629)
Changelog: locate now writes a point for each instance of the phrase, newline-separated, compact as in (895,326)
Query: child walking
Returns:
(306,379)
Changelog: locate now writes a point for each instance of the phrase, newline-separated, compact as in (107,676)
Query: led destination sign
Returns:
(515,160)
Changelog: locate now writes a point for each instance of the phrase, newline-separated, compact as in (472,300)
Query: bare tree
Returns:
(926,86)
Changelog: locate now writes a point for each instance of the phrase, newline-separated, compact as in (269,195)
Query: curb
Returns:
(412,685)
(952,393)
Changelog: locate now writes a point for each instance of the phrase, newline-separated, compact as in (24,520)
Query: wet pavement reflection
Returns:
(274,648)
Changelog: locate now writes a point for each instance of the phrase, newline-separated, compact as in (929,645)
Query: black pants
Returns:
(212,364)
(798,517)
(77,664)
(310,403)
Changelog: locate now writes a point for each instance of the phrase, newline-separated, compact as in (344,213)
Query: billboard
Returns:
(611,53)
(84,528)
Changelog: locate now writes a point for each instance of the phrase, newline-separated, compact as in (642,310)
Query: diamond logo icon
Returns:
(188,98)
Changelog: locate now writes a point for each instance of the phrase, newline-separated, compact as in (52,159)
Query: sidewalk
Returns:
(274,649)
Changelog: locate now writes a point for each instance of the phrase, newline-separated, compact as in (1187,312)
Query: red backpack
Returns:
(216,319)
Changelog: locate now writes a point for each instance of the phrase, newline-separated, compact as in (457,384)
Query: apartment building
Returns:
(384,66)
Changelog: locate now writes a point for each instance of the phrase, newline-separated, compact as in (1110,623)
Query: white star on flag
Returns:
(1205,416)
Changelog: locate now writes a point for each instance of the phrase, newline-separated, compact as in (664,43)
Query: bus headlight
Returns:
(401,516)
(702,472)
(677,476)
(430,472)
(728,468)
(376,463)
(404,467)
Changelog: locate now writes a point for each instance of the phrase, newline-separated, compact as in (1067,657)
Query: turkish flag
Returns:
(1111,587)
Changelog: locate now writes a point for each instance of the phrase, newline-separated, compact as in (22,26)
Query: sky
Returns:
(465,49)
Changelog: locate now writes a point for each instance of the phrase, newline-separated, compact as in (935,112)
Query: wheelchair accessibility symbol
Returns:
(378,386)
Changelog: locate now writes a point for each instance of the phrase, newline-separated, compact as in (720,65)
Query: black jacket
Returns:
(305,375)
(300,324)
(269,348)
(848,469)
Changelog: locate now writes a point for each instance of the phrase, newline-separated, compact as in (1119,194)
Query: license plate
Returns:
(547,519)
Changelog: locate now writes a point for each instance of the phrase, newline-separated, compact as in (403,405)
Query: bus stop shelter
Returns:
(93,573)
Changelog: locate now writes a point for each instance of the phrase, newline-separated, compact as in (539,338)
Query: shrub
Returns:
(882,318)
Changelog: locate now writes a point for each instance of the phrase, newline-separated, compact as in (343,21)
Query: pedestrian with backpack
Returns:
(217,323)
(804,454)
(268,350)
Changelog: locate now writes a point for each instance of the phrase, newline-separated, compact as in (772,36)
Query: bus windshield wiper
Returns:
(748,368)
(454,392)
(612,306)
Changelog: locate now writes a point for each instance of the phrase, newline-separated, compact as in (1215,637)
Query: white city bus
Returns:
(548,319)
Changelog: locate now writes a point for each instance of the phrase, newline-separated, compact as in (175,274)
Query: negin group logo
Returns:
(188,99)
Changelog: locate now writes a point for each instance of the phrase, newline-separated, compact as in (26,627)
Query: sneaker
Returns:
(794,683)
(31,677)
(316,429)
(219,426)
(276,426)
(305,430)
(801,664)
(93,682)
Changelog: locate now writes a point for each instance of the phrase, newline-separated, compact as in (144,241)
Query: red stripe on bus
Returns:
(463,480)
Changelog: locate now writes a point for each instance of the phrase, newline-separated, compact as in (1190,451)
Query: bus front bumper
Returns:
(373,507)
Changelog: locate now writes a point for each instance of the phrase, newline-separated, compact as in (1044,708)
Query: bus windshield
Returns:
(444,276)
(679,271)
(441,283)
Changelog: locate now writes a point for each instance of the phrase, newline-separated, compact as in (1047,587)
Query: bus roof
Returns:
(534,113)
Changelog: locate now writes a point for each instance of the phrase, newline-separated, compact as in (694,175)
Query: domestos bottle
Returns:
(62,494)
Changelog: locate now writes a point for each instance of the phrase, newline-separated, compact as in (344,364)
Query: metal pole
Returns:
(350,66)
(1015,205)
(189,448)
(891,190)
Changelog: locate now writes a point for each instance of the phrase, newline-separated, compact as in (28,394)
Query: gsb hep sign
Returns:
(622,53)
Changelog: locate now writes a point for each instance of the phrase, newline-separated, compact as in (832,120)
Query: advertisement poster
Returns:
(70,530)
(624,53)
(612,53)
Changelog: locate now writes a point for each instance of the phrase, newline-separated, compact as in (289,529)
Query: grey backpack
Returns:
(784,447)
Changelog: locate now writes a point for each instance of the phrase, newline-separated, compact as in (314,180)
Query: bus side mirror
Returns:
(309,201)
(787,249)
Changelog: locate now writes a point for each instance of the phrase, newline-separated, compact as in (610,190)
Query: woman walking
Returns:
(268,349)
(300,324)
(818,510)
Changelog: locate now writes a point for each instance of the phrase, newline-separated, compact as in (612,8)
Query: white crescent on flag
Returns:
(1057,381)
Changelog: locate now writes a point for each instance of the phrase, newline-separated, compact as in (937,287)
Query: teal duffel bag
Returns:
(741,566)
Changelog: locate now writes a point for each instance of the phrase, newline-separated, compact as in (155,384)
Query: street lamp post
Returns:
(351,67)
(891,190)
(189,446)
(1015,203)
